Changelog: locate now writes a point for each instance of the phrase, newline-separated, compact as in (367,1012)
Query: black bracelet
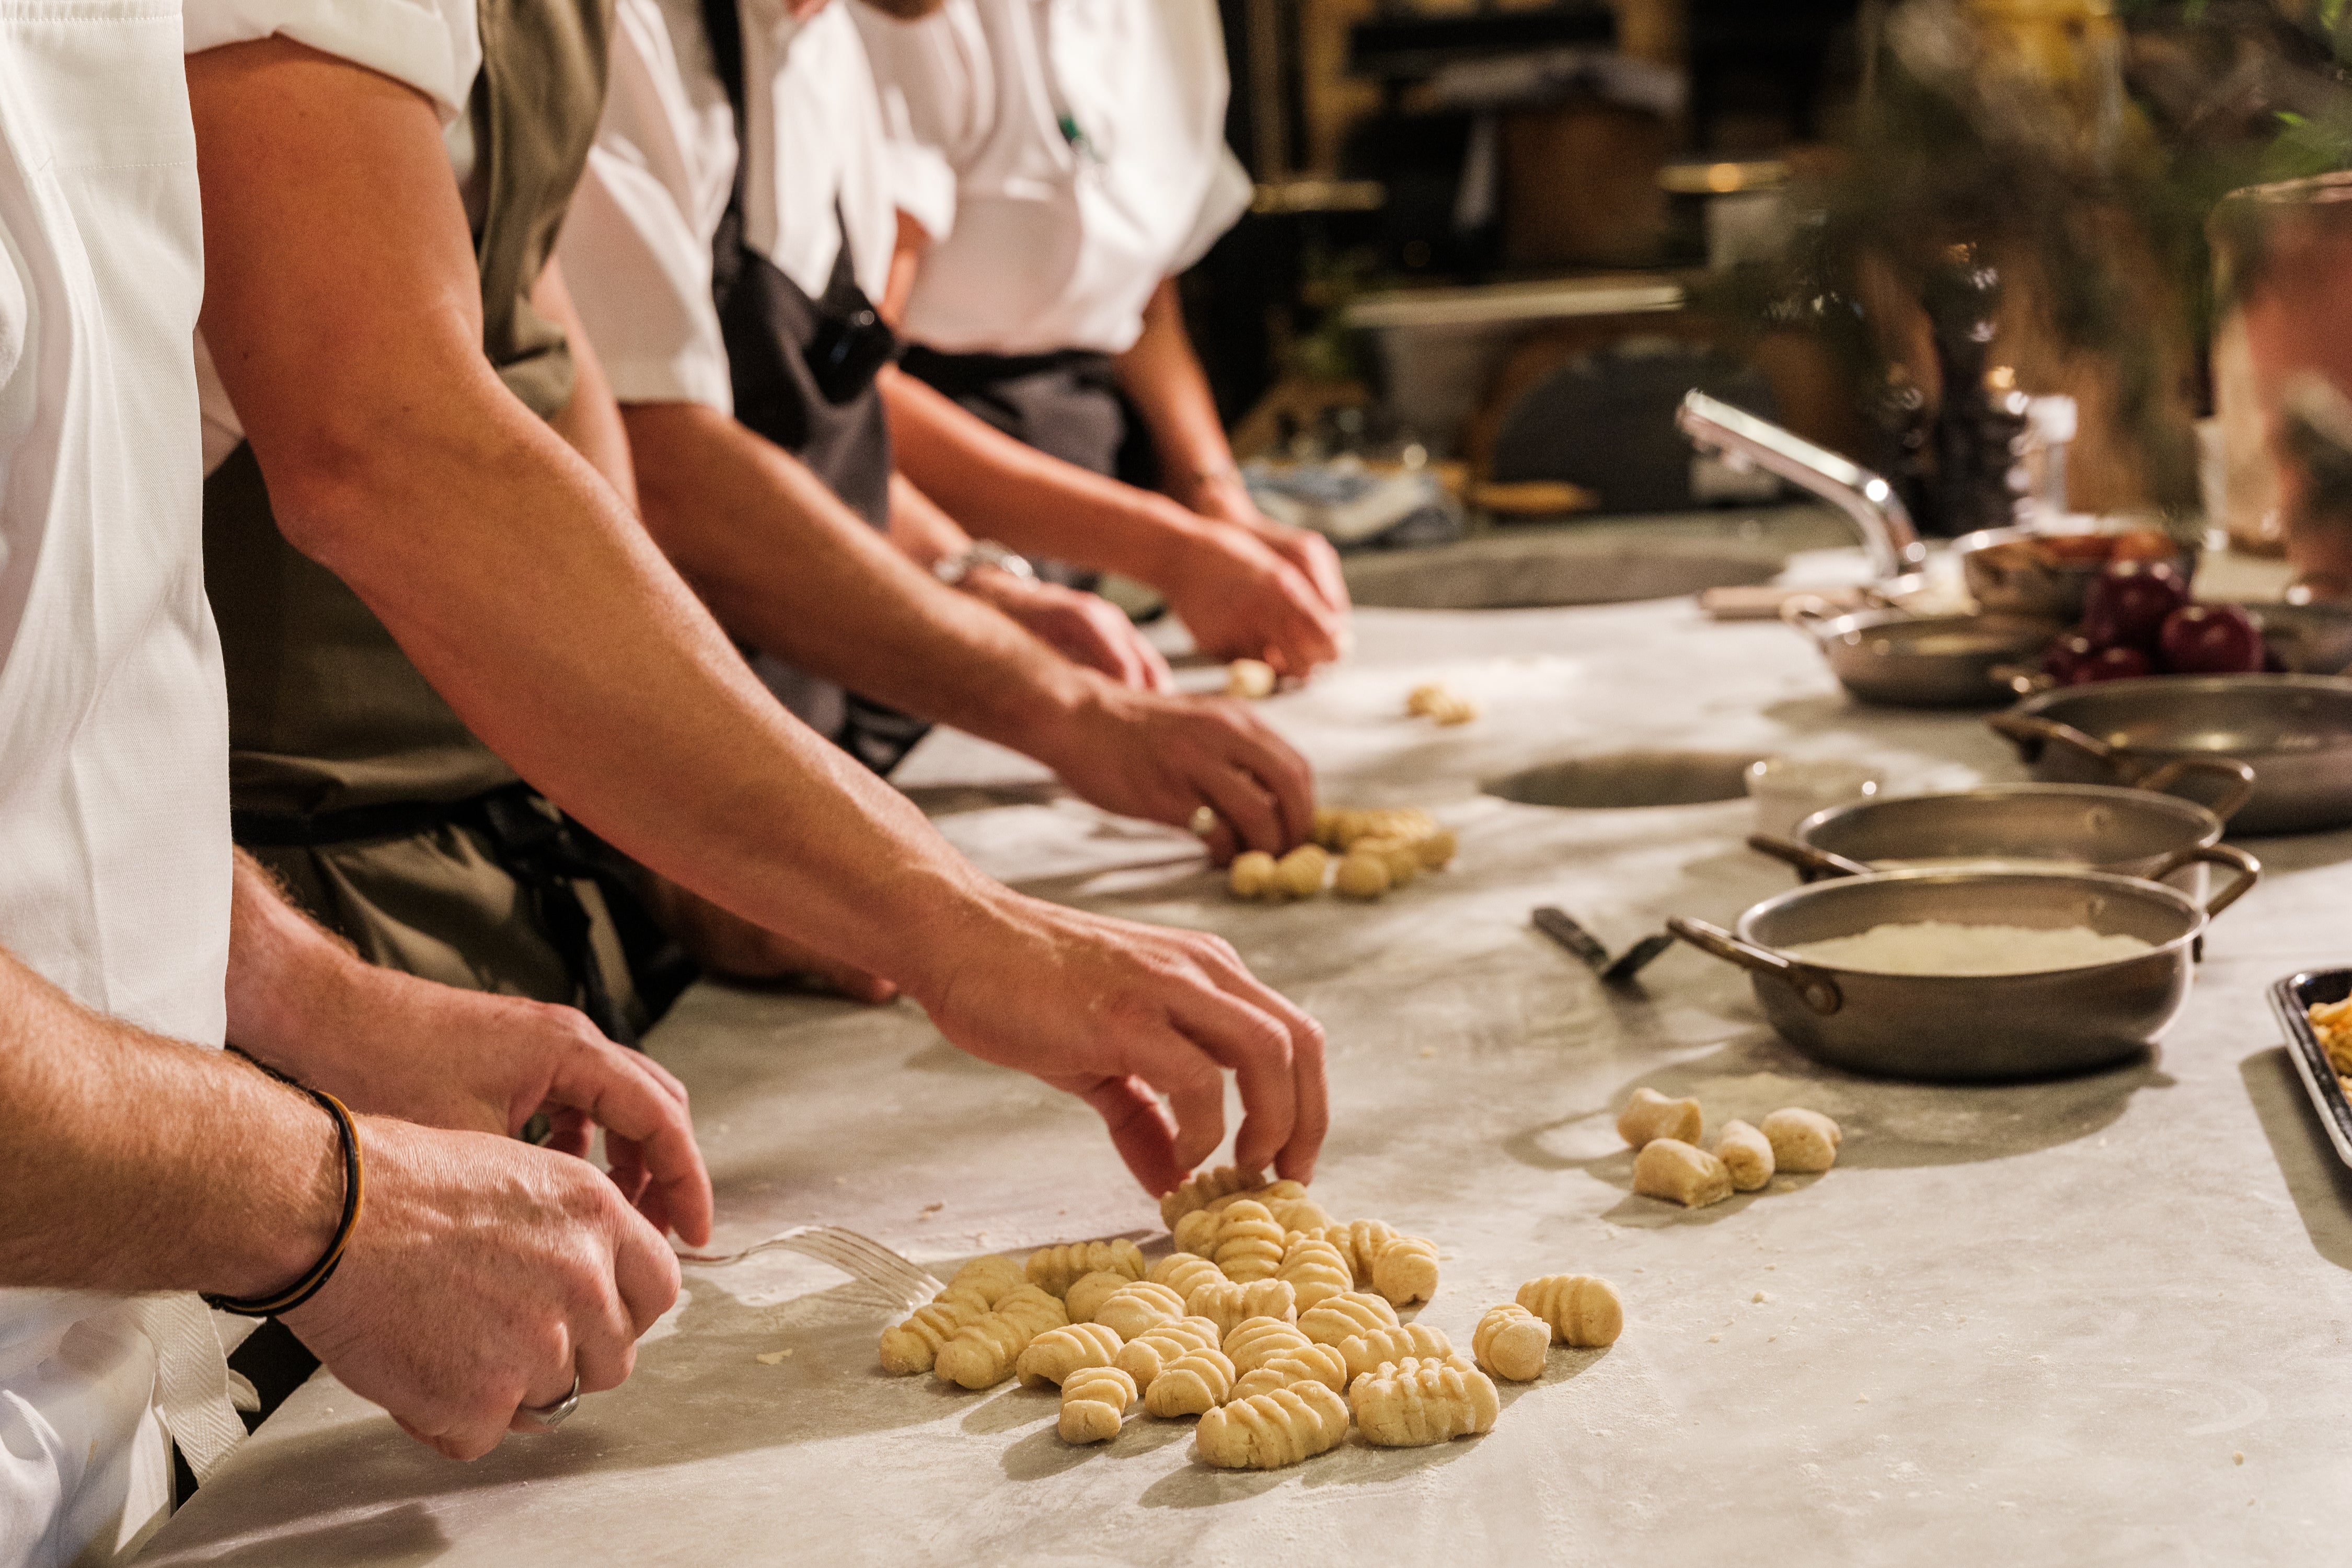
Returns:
(354,1187)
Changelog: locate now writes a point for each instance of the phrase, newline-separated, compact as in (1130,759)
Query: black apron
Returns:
(802,373)
(384,816)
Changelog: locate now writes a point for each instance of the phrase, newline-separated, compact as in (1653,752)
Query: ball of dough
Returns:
(1650,1115)
(1747,1155)
(1422,699)
(1249,678)
(1510,1342)
(1803,1141)
(1436,848)
(1680,1173)
(1300,873)
(1361,876)
(1252,875)
(1583,1310)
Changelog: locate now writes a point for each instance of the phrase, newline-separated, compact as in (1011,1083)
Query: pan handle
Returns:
(2235,792)
(1809,861)
(2249,871)
(2022,679)
(1817,990)
(2029,733)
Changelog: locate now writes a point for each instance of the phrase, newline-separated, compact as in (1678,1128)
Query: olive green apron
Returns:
(350,778)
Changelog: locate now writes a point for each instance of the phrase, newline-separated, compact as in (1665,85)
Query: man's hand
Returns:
(1240,599)
(392,1045)
(1225,497)
(1085,628)
(483,1277)
(1163,757)
(1166,1013)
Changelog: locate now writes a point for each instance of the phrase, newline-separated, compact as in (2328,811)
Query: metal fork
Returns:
(896,1278)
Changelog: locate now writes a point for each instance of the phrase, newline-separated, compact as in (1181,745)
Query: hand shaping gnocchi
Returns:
(1054,1354)
(1510,1342)
(1229,1305)
(1803,1141)
(1651,1115)
(1268,1431)
(1343,1317)
(1139,1307)
(982,1353)
(1053,1269)
(1414,1402)
(1366,1353)
(1192,1385)
(1144,1357)
(1584,1311)
(1094,1400)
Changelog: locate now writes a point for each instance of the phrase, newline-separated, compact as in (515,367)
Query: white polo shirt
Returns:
(113,713)
(1080,155)
(636,249)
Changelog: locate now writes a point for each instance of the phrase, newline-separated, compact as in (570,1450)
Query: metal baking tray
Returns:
(2290,999)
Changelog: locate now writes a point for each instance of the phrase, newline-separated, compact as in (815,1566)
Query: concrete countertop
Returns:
(2097,1321)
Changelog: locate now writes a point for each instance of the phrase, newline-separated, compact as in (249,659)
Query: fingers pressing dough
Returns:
(982,1353)
(1414,1402)
(1054,1354)
(1094,1399)
(1510,1342)
(1747,1155)
(1671,1169)
(1583,1310)
(1651,1115)
(1249,679)
(1268,1431)
(1803,1141)
(1053,1269)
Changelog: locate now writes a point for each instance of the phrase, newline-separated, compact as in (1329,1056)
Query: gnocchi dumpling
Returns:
(1680,1173)
(1139,1307)
(1268,1431)
(1314,1270)
(1144,1357)
(1254,1343)
(1302,1363)
(1416,1402)
(1366,1352)
(1650,1115)
(911,1346)
(1803,1141)
(1406,1270)
(1510,1342)
(1094,1400)
(1090,1291)
(982,1353)
(1054,1354)
(1185,1272)
(1583,1310)
(1053,1269)
(1343,1317)
(1194,1383)
(1229,1303)
(1203,1188)
(1249,1242)
(1747,1155)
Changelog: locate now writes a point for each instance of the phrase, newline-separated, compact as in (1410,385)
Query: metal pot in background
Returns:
(1920,661)
(2291,735)
(1973,1028)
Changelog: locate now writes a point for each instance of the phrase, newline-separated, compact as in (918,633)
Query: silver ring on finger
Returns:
(1204,821)
(548,1417)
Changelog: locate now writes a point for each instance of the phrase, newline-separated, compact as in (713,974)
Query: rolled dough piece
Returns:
(1093,1401)
(1252,875)
(1054,1354)
(913,1346)
(1143,1358)
(1182,1272)
(1053,1269)
(1268,1431)
(1139,1308)
(1342,1318)
(1803,1141)
(1257,1340)
(1369,1353)
(1092,1291)
(1314,1270)
(1680,1173)
(1204,1187)
(1193,1384)
(1229,1304)
(1583,1310)
(1249,679)
(1360,1242)
(1300,873)
(1249,1241)
(1650,1115)
(1360,876)
(1414,1402)
(1406,1270)
(1747,1155)
(992,1275)
(982,1354)
(1510,1342)
(1311,1364)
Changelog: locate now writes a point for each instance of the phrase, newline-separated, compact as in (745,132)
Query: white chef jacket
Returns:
(432,45)
(635,249)
(1039,242)
(113,714)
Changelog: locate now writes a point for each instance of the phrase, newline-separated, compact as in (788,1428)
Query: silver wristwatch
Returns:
(954,569)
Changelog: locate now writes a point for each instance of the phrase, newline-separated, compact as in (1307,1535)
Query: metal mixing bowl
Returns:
(1968,1028)
(1920,661)
(2094,828)
(2294,732)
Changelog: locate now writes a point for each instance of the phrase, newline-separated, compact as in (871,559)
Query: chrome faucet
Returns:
(1714,425)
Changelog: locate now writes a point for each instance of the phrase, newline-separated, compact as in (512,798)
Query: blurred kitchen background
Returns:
(1987,248)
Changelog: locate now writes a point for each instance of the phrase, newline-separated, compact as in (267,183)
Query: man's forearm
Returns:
(789,568)
(924,534)
(342,308)
(131,1163)
(1000,488)
(1164,376)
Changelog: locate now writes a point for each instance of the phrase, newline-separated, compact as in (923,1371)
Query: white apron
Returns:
(114,720)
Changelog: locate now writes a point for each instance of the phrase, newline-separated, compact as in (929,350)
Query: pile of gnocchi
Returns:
(1669,1163)
(1356,854)
(1270,1323)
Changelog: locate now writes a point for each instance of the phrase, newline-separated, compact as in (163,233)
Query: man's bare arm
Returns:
(590,423)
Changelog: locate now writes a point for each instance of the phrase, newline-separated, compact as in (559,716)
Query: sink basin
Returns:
(1625,779)
(1594,562)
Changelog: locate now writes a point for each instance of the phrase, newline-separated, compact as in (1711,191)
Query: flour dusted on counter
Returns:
(1948,948)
